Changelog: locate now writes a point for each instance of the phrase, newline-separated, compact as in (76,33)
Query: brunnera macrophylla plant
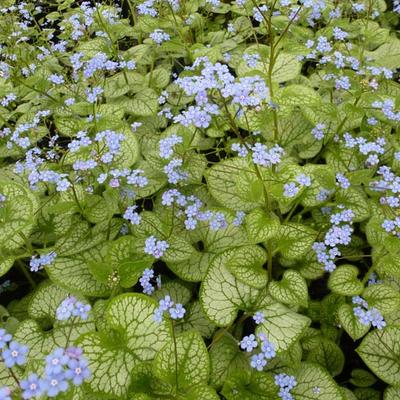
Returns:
(200,200)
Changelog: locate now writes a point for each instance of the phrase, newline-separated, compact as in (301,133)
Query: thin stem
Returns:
(176,356)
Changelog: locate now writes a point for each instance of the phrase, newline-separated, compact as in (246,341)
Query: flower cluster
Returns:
(145,279)
(190,207)
(71,307)
(367,315)
(338,234)
(259,360)
(167,305)
(38,263)
(155,247)
(245,92)
(370,149)
(291,189)
(286,383)
(62,368)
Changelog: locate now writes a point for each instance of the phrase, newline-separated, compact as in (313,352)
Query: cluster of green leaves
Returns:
(222,277)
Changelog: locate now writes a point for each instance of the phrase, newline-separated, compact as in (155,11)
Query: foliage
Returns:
(199,200)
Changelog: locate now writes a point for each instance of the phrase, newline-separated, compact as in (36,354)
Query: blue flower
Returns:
(55,362)
(177,312)
(258,361)
(4,338)
(248,343)
(15,354)
(31,387)
(55,384)
(5,393)
(258,317)
(77,371)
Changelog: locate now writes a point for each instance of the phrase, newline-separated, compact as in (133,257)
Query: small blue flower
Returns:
(248,343)
(258,361)
(55,384)
(77,371)
(31,387)
(55,362)
(177,312)
(15,354)
(258,317)
(4,338)
(5,393)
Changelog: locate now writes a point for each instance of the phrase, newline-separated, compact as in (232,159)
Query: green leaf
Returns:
(73,275)
(5,265)
(380,350)
(137,338)
(329,355)
(222,180)
(226,358)
(295,240)
(343,280)
(144,103)
(195,318)
(282,325)
(183,362)
(362,378)
(17,214)
(356,200)
(221,294)
(382,296)
(313,382)
(261,227)
(250,386)
(247,266)
(298,95)
(213,242)
(291,290)
(45,301)
(391,393)
(41,343)
(350,323)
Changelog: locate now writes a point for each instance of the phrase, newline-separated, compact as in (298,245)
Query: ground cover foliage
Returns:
(200,200)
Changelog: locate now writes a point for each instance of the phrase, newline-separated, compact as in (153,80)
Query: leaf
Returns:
(195,318)
(226,358)
(343,280)
(260,227)
(41,343)
(291,290)
(221,294)
(250,386)
(17,214)
(329,355)
(73,275)
(380,350)
(282,325)
(286,67)
(295,240)
(211,243)
(45,301)
(183,362)
(222,181)
(247,266)
(391,393)
(297,96)
(362,378)
(5,265)
(356,200)
(350,323)
(382,296)
(313,382)
(137,338)
(144,103)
